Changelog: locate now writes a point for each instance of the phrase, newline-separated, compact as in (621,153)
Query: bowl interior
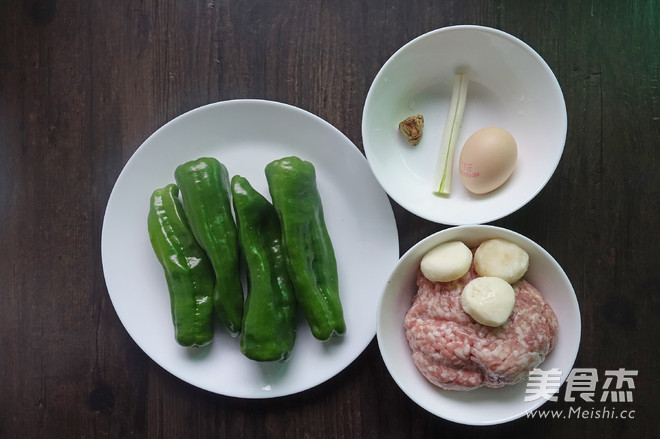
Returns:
(510,86)
(481,406)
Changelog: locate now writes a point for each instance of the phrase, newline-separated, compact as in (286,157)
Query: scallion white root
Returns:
(444,168)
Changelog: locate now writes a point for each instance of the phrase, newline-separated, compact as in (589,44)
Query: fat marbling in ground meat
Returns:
(455,352)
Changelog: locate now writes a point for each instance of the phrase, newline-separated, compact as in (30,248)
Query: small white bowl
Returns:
(482,406)
(510,86)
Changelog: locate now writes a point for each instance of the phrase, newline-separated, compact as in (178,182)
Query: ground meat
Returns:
(455,352)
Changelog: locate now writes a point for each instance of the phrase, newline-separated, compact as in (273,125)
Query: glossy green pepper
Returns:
(310,254)
(188,271)
(269,322)
(204,184)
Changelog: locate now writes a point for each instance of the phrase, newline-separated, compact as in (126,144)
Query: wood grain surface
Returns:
(84,83)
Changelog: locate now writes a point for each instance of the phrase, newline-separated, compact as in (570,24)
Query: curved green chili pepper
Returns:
(269,323)
(204,184)
(310,254)
(188,272)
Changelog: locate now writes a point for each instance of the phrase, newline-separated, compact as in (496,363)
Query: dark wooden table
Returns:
(84,83)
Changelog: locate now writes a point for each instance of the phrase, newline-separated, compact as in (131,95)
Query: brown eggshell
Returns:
(487,159)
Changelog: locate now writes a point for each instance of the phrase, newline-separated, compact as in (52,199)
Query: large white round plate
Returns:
(510,86)
(246,135)
(482,406)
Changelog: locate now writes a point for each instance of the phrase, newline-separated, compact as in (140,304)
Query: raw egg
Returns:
(487,159)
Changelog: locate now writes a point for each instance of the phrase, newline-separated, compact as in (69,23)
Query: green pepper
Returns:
(269,323)
(187,269)
(310,255)
(204,184)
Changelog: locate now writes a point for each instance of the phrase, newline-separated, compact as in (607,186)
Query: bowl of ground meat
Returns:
(464,371)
